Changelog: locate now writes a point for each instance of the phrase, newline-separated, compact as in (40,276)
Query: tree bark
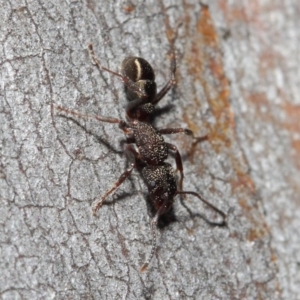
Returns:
(237,81)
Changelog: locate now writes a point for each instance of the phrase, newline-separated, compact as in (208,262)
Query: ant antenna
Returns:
(221,213)
(159,212)
(154,241)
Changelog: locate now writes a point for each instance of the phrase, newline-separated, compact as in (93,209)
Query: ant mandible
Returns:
(150,150)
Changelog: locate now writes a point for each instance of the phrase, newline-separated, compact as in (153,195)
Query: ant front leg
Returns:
(178,162)
(174,148)
(122,178)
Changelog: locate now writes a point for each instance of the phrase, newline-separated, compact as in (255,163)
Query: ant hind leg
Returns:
(170,83)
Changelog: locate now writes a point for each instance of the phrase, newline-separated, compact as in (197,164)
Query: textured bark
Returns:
(238,82)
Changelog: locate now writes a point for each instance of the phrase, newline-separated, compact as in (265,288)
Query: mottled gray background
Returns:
(238,81)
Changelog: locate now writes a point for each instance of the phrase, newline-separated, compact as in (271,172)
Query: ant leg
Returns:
(221,213)
(122,124)
(189,132)
(129,83)
(97,63)
(122,178)
(85,116)
(176,130)
(185,131)
(178,162)
(170,83)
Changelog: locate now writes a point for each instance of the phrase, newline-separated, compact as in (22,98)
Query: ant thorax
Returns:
(152,147)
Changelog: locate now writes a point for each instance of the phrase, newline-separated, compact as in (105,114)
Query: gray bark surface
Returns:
(237,81)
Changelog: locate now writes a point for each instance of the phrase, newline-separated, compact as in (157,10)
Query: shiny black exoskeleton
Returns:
(145,142)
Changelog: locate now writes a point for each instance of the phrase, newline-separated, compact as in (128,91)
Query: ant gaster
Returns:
(151,150)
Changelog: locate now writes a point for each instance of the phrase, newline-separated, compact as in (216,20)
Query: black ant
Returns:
(151,150)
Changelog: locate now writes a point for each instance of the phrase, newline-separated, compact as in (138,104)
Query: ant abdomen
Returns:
(141,73)
(137,68)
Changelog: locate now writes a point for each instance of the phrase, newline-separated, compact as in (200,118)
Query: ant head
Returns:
(140,72)
(162,186)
